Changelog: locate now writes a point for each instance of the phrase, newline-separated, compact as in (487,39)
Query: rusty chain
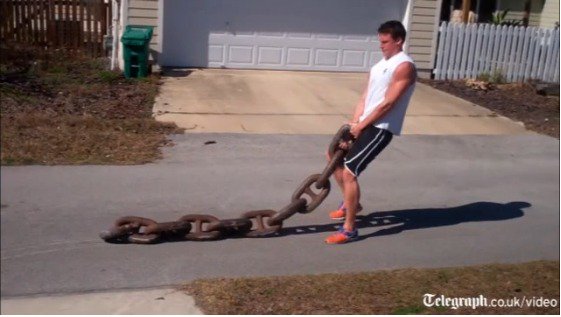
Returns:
(251,224)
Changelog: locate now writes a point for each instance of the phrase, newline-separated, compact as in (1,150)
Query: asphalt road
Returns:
(430,201)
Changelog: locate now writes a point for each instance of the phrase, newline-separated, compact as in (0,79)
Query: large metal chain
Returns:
(251,224)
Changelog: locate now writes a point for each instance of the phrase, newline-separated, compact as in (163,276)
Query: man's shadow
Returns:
(410,219)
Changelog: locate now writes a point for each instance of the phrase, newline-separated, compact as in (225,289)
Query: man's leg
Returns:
(369,144)
(351,197)
(338,175)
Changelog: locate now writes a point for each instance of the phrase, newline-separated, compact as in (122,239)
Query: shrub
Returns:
(485,76)
(497,77)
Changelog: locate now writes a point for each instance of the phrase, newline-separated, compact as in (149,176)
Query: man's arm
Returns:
(404,76)
(359,110)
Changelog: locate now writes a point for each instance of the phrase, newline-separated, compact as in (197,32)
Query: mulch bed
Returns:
(75,85)
(58,108)
(519,102)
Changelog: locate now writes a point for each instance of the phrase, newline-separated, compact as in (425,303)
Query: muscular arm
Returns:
(404,76)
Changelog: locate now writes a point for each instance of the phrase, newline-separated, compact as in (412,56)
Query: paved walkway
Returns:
(247,101)
(165,301)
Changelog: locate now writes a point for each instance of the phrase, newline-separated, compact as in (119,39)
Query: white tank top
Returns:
(380,78)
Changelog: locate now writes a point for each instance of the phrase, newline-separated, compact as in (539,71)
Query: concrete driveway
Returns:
(250,101)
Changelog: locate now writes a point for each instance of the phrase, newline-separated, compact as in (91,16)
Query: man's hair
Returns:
(394,28)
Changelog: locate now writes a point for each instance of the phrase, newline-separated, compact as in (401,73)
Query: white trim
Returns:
(375,147)
(114,33)
(348,169)
(407,22)
(123,22)
(160,30)
(435,33)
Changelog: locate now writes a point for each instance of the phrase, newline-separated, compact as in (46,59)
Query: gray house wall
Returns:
(423,33)
(145,12)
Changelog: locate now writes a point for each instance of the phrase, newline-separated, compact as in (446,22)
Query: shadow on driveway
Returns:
(411,219)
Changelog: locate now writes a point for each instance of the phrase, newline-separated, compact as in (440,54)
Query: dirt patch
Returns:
(61,108)
(382,292)
(519,102)
(104,94)
(70,139)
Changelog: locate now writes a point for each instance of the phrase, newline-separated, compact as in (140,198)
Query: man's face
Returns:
(388,45)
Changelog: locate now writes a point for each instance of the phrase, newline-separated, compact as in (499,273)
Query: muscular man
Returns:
(377,117)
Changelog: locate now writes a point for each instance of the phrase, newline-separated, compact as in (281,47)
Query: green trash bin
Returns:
(136,41)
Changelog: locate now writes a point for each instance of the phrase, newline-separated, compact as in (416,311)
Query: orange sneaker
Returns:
(339,214)
(342,236)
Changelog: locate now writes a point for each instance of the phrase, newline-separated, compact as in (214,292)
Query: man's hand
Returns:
(356,129)
(344,145)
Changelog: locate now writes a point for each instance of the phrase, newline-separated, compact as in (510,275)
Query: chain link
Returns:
(118,234)
(287,212)
(238,226)
(342,136)
(251,224)
(130,228)
(140,235)
(172,228)
(258,218)
(143,238)
(306,188)
(200,231)
(336,160)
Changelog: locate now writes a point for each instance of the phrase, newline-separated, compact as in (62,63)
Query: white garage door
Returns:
(327,35)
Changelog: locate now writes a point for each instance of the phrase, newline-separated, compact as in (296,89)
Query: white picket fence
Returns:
(518,53)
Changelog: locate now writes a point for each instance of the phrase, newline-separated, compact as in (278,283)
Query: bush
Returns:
(499,18)
(496,77)
(485,76)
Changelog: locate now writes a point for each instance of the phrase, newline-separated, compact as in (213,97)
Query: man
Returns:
(377,117)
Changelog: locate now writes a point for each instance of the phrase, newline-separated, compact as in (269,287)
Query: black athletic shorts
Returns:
(370,143)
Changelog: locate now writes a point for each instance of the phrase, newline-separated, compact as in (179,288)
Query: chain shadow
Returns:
(411,219)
